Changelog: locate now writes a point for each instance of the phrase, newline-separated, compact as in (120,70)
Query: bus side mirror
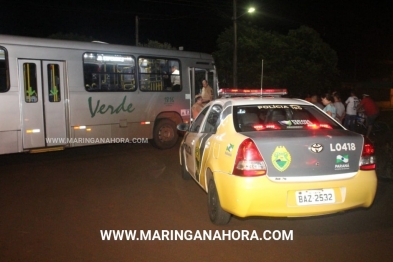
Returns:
(183,127)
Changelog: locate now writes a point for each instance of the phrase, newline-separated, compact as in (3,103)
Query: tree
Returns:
(312,64)
(299,61)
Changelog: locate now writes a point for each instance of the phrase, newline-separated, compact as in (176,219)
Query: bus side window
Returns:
(109,72)
(159,75)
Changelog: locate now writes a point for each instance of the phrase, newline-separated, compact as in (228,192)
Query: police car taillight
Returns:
(368,159)
(249,161)
(228,92)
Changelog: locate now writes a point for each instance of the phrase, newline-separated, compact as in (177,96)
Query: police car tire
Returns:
(184,173)
(217,215)
(165,125)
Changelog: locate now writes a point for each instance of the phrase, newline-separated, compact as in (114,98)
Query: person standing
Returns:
(207,92)
(371,111)
(351,103)
(340,108)
(328,100)
(197,107)
(175,79)
(315,101)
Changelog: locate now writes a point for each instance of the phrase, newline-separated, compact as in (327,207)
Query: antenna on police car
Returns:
(262,78)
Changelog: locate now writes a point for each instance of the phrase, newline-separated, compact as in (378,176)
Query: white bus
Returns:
(56,94)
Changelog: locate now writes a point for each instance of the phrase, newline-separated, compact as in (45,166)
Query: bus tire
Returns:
(165,134)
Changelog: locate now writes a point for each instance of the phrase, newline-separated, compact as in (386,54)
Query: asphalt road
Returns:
(53,206)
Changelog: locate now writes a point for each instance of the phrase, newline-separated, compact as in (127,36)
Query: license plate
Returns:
(315,197)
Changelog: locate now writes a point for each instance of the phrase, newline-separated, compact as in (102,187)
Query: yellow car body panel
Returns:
(259,196)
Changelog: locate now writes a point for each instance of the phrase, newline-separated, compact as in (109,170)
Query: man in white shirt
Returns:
(175,79)
(351,103)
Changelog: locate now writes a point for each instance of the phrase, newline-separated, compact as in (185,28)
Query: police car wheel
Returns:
(165,134)
(217,215)
(184,173)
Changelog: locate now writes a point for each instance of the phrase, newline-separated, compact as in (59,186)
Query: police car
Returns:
(274,156)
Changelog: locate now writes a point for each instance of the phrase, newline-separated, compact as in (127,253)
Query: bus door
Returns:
(42,85)
(196,77)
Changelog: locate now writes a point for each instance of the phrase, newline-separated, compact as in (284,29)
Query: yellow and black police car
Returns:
(274,156)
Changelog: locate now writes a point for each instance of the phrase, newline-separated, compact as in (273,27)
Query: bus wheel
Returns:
(165,134)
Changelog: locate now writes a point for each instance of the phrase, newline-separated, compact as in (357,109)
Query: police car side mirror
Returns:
(183,127)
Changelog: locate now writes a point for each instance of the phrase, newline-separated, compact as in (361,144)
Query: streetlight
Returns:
(250,10)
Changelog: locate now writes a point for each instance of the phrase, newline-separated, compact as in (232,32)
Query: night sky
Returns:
(361,32)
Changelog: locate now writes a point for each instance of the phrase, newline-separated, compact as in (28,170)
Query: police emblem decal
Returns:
(281,158)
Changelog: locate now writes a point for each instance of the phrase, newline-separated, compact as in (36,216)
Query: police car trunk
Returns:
(290,142)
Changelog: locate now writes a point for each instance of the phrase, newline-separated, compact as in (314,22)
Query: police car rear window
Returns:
(281,117)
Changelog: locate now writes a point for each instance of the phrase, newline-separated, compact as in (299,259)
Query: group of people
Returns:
(202,99)
(346,112)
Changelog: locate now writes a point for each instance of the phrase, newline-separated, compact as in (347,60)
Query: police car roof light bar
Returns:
(231,92)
